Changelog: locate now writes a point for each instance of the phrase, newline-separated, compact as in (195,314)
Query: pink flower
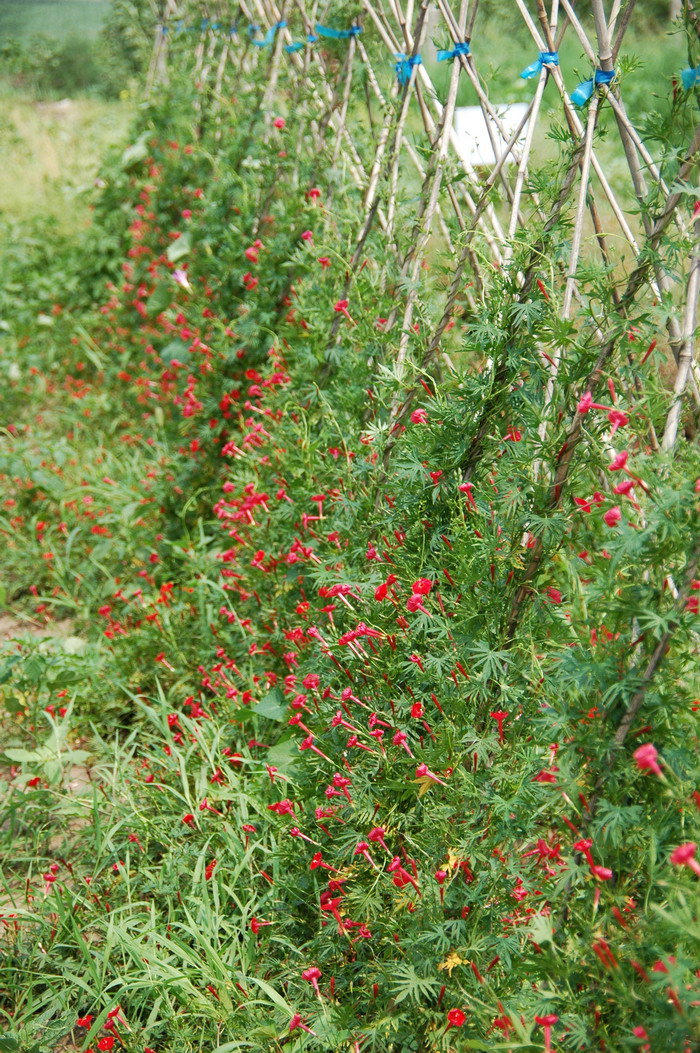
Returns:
(324,261)
(180,276)
(314,193)
(419,416)
(279,122)
(646,758)
(613,516)
(307,235)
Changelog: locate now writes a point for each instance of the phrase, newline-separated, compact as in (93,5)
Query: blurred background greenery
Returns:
(70,69)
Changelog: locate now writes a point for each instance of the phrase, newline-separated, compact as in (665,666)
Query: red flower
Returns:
(107,1042)
(455,1018)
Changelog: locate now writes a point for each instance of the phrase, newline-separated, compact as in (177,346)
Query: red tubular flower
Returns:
(618,419)
(256,924)
(424,772)
(499,716)
(313,975)
(376,835)
(400,739)
(547,1023)
(619,462)
(684,856)
(415,603)
(362,849)
(297,1021)
(646,758)
(341,307)
(455,1018)
(613,516)
(401,876)
(419,416)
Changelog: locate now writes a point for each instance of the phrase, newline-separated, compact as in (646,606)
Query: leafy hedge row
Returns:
(373,791)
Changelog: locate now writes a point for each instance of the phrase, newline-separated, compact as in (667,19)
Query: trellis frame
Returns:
(400,26)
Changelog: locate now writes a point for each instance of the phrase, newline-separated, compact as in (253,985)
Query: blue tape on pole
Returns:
(690,77)
(461,48)
(546,58)
(297,45)
(580,95)
(404,66)
(338,34)
(269,36)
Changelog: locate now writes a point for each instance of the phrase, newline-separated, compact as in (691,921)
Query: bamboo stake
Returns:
(685,359)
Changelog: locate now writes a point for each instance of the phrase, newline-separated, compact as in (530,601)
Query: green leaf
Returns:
(160,298)
(176,349)
(284,755)
(271,706)
(138,151)
(179,248)
(24,756)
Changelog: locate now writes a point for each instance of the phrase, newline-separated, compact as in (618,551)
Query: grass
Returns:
(53,18)
(52,153)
